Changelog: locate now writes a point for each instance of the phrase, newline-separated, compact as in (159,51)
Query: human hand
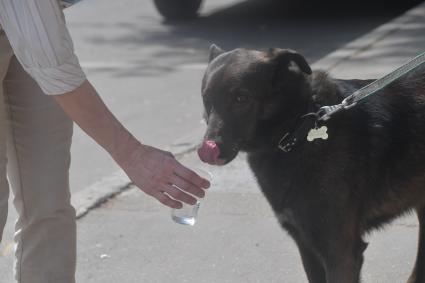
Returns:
(154,171)
(161,176)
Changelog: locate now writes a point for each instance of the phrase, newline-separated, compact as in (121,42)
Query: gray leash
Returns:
(326,112)
(308,128)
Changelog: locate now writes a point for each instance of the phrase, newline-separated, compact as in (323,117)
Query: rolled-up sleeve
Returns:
(40,40)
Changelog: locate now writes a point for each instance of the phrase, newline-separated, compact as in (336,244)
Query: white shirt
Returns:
(39,37)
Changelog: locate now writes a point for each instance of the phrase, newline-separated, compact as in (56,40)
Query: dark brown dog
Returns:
(327,193)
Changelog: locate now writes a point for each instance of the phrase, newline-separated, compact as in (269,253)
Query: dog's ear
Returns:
(214,52)
(284,57)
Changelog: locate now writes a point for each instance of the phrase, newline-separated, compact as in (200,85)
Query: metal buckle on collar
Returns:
(304,125)
(286,146)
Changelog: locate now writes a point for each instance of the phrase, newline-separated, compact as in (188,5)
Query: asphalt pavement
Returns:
(149,73)
(131,238)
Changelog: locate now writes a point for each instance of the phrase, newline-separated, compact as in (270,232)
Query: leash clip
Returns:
(326,112)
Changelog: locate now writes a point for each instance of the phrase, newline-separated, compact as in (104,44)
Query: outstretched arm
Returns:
(41,42)
(155,172)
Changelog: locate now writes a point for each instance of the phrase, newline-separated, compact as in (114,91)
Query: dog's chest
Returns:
(279,182)
(286,218)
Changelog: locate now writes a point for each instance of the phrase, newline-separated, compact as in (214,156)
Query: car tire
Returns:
(178,9)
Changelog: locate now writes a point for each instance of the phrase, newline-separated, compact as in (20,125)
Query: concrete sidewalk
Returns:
(132,238)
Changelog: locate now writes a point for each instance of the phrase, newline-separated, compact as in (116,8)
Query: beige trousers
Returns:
(35,141)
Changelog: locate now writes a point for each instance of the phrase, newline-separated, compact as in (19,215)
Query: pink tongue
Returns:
(209,152)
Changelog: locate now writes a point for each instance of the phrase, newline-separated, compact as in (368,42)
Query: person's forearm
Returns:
(154,171)
(86,108)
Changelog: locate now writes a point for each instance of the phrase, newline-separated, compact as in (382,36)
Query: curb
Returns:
(99,193)
(367,41)
(113,185)
(110,186)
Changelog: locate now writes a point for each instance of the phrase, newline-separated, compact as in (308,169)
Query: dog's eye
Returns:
(242,98)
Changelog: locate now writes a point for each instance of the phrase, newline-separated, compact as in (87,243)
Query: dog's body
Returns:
(326,194)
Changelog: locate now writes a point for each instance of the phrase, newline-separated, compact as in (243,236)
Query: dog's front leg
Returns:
(337,263)
(343,260)
(339,246)
(345,270)
(313,267)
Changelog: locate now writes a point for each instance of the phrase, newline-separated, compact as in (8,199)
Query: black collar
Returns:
(298,135)
(303,124)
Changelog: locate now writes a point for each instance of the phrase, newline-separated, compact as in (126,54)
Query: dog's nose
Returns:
(209,152)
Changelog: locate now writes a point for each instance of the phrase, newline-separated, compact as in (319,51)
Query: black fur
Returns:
(326,194)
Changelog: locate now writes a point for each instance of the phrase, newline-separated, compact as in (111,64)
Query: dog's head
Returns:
(244,91)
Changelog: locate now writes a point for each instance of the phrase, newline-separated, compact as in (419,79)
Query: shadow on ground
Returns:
(314,28)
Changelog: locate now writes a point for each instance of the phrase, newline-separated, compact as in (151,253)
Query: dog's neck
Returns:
(324,89)
(316,90)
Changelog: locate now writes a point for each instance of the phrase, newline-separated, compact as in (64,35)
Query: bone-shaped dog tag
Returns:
(318,133)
